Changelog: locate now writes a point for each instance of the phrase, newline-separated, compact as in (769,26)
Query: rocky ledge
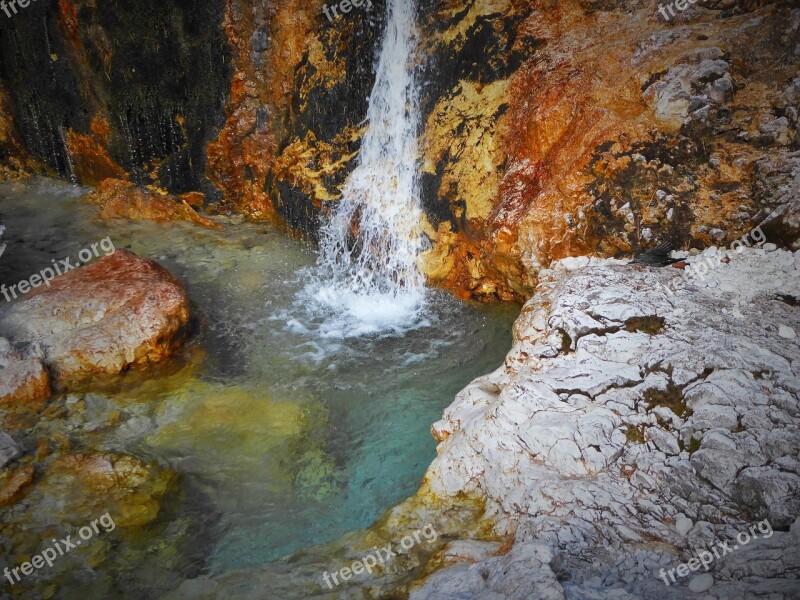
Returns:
(120,312)
(643,416)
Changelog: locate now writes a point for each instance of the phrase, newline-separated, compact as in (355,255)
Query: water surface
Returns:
(288,434)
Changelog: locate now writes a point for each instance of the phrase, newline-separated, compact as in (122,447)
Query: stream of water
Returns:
(288,437)
(304,406)
(367,279)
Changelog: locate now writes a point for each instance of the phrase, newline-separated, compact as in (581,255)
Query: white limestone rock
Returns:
(670,399)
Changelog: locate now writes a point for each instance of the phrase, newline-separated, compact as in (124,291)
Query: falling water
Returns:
(369,246)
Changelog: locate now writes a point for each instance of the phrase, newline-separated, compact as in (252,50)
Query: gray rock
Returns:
(701,583)
(9,450)
(522,574)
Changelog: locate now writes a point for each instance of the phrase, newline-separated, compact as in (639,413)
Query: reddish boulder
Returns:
(122,311)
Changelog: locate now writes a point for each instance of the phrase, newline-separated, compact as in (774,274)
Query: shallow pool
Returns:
(286,434)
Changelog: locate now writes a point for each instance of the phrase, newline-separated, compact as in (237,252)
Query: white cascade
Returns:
(370,244)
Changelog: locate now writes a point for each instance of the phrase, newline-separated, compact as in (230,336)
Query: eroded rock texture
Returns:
(23,377)
(106,89)
(120,312)
(596,127)
(548,129)
(634,423)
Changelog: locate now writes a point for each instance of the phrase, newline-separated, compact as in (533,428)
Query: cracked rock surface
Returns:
(642,416)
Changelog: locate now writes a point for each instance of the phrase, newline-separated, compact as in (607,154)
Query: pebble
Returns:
(786,332)
(769,247)
(701,583)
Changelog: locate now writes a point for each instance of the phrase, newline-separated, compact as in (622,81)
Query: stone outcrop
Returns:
(641,416)
(615,129)
(119,199)
(92,484)
(119,312)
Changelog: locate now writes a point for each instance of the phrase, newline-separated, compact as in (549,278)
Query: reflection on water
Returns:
(289,434)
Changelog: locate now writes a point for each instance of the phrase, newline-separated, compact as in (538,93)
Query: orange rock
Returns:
(125,200)
(23,379)
(193,199)
(14,483)
(91,484)
(90,160)
(119,312)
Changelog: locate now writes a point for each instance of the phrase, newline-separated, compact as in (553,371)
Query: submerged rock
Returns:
(81,486)
(13,484)
(120,312)
(567,442)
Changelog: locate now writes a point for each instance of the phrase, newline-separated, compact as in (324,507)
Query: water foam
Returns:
(367,277)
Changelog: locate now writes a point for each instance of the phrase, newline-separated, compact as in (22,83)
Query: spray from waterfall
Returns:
(370,244)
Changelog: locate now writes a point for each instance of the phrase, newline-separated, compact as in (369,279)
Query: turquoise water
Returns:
(287,435)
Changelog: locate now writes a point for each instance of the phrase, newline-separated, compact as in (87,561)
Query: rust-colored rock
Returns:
(23,378)
(120,312)
(91,161)
(125,200)
(15,161)
(92,484)
(13,484)
(617,130)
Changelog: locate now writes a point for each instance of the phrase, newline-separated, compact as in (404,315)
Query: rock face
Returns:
(549,129)
(122,311)
(23,378)
(99,91)
(642,415)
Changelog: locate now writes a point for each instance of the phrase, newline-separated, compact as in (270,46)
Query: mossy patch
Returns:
(651,325)
(671,398)
(566,342)
(635,434)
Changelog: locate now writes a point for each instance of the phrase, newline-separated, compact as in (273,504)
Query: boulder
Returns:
(120,312)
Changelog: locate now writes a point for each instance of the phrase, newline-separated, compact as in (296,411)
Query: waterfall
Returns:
(369,246)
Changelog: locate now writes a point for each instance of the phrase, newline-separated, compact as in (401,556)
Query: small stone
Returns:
(9,450)
(786,332)
(701,583)
(769,247)
(682,524)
